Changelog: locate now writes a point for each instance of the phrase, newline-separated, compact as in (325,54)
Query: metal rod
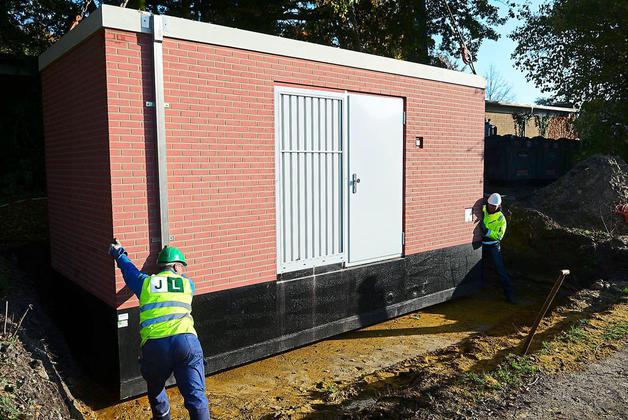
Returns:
(543,311)
(160,118)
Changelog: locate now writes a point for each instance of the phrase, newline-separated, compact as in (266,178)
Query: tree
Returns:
(577,51)
(28,27)
(414,30)
(498,89)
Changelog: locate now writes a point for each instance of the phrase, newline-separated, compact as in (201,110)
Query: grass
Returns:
(577,333)
(616,332)
(511,373)
(8,409)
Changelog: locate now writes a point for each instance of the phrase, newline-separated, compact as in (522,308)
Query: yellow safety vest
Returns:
(495,224)
(165,306)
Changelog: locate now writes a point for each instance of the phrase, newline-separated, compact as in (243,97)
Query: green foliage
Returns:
(616,332)
(474,378)
(508,374)
(542,122)
(28,27)
(8,407)
(512,371)
(407,29)
(603,127)
(576,50)
(401,29)
(23,222)
(520,121)
(576,333)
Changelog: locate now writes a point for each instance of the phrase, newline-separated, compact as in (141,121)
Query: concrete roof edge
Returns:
(71,39)
(531,106)
(131,20)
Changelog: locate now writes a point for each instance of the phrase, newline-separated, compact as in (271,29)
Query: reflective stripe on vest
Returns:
(162,318)
(165,306)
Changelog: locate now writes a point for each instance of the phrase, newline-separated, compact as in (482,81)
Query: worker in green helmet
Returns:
(168,339)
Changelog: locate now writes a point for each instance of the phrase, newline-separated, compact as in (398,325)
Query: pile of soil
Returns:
(27,391)
(538,247)
(33,354)
(587,195)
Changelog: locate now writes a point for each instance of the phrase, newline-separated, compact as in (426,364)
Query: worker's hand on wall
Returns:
(116,249)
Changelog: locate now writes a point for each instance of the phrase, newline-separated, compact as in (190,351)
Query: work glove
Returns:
(116,249)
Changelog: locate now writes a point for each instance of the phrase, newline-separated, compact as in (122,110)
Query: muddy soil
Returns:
(295,383)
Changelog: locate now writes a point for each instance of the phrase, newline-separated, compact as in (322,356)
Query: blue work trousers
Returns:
(494,252)
(182,356)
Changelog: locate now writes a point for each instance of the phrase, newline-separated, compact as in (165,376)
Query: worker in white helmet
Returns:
(494,229)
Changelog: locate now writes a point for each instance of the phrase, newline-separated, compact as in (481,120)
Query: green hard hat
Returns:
(170,255)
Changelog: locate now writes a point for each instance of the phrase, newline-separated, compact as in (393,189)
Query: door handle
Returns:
(354,182)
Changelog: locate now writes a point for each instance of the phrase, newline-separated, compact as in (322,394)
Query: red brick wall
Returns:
(220,138)
(77,165)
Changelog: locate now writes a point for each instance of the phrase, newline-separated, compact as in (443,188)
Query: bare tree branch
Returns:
(498,89)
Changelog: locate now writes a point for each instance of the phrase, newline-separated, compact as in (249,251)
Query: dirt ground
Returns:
(485,374)
(296,382)
(388,370)
(598,392)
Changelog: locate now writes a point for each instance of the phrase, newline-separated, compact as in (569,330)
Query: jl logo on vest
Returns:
(160,284)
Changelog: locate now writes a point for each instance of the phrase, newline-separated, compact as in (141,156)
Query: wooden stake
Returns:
(19,324)
(6,318)
(543,311)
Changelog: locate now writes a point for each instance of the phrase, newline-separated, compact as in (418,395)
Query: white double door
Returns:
(339,178)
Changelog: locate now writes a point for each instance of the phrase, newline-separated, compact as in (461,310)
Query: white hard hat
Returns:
(495,199)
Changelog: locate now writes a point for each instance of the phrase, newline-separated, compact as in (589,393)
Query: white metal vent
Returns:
(309,180)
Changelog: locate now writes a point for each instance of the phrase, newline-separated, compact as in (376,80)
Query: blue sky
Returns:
(498,53)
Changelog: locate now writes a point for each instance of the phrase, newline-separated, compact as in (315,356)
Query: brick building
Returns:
(304,183)
(526,120)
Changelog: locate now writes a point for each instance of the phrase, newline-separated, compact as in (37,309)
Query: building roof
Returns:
(509,107)
(141,22)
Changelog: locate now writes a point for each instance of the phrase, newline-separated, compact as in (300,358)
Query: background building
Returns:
(526,120)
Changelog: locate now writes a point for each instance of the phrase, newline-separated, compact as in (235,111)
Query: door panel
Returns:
(309,172)
(375,175)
